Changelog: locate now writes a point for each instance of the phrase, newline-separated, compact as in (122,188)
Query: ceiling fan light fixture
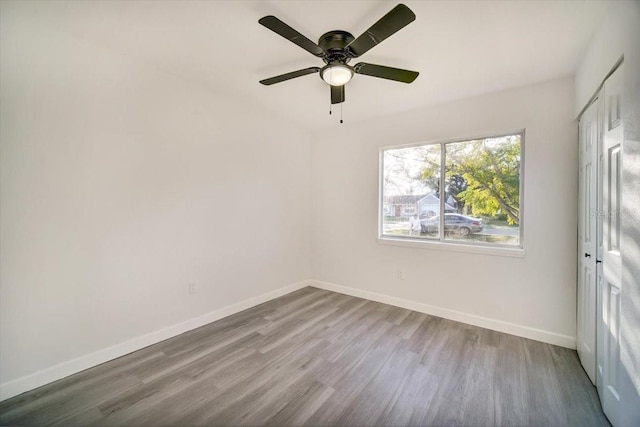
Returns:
(336,74)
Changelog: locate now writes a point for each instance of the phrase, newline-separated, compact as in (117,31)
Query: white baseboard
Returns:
(54,373)
(471,319)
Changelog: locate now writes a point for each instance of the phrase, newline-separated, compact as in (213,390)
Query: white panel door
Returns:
(610,270)
(587,218)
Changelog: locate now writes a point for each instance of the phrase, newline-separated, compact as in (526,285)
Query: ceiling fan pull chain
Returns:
(341,111)
(330,105)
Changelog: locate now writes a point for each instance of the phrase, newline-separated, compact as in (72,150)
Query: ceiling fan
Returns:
(337,48)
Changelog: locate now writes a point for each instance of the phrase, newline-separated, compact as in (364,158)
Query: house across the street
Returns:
(425,204)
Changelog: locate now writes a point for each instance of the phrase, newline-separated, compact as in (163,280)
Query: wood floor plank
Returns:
(577,391)
(352,383)
(451,366)
(318,358)
(370,404)
(511,393)
(420,341)
(544,387)
(412,401)
(298,411)
(411,324)
(351,353)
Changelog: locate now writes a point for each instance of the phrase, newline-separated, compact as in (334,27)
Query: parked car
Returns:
(453,223)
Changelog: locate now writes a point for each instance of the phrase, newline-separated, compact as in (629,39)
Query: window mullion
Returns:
(442,174)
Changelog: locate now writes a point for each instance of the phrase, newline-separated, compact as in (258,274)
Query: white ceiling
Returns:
(461,48)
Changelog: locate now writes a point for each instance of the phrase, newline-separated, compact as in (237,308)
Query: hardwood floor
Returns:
(315,357)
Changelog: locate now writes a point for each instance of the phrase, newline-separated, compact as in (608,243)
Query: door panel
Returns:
(614,198)
(586,308)
(610,269)
(613,321)
(599,277)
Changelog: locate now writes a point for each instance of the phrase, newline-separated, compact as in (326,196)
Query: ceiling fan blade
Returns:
(277,26)
(289,76)
(396,74)
(337,94)
(398,18)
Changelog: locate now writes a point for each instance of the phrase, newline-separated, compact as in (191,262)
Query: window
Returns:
(467,192)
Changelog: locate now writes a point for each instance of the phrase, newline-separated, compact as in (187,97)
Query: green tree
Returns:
(483,174)
(430,173)
(454,185)
(491,168)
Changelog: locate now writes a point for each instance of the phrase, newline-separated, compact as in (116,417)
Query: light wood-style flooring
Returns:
(315,357)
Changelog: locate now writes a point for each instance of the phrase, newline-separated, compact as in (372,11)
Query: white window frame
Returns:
(453,245)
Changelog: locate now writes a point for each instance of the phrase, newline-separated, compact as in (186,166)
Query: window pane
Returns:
(411,185)
(482,187)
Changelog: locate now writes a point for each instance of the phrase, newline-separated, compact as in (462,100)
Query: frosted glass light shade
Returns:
(337,75)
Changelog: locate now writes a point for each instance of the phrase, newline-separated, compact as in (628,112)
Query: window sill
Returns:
(453,247)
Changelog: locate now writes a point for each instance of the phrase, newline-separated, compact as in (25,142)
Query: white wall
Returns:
(618,36)
(537,291)
(119,185)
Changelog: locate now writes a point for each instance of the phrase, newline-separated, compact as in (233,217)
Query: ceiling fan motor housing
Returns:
(334,44)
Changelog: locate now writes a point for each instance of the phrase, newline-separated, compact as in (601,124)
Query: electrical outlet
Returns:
(192,288)
(400,274)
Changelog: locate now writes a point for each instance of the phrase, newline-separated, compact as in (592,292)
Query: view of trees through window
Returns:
(480,185)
